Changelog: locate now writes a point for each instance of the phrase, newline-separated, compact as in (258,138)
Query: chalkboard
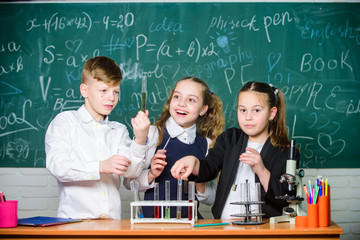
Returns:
(309,50)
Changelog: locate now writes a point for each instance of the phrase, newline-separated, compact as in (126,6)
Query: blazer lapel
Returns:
(228,175)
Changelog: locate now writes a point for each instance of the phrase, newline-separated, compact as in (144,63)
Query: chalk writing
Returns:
(309,51)
(319,64)
(167,26)
(16,66)
(312,30)
(11,123)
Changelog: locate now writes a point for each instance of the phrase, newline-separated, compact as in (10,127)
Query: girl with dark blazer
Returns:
(256,152)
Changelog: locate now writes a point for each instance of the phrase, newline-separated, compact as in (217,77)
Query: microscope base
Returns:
(283,218)
(297,211)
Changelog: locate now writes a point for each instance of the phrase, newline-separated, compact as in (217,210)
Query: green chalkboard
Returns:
(309,50)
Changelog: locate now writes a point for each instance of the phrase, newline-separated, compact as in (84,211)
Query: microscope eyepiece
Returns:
(292,150)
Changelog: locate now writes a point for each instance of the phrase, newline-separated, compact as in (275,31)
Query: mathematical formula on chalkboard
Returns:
(310,51)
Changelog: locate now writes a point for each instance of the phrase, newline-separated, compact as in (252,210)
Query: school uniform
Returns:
(175,150)
(224,157)
(75,143)
(182,142)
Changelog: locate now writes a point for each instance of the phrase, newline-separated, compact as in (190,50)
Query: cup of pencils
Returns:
(8,212)
(318,203)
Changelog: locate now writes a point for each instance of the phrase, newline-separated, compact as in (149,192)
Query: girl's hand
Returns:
(157,165)
(253,158)
(184,167)
(141,125)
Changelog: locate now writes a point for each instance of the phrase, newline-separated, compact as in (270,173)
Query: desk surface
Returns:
(91,229)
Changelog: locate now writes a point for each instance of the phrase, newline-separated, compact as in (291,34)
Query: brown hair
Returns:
(274,98)
(209,125)
(102,69)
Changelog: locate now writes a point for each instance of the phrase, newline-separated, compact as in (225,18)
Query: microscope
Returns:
(293,177)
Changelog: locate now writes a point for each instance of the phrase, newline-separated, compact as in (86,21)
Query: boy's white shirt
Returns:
(187,136)
(75,144)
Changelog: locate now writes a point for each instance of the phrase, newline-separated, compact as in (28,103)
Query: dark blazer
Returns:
(224,157)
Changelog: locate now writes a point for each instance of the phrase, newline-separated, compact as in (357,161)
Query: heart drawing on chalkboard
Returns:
(273,59)
(334,148)
(169,71)
(129,41)
(73,45)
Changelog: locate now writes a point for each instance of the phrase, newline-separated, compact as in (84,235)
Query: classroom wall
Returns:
(37,193)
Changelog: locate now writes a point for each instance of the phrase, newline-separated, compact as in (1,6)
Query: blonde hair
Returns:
(274,97)
(102,69)
(209,125)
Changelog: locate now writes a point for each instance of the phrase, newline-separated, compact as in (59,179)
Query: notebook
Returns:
(41,221)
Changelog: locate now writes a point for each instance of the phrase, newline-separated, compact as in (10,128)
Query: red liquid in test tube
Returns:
(191,194)
(156,199)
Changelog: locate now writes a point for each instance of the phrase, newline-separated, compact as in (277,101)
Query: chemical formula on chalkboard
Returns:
(311,51)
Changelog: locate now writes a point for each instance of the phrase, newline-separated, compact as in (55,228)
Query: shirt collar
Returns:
(186,135)
(86,117)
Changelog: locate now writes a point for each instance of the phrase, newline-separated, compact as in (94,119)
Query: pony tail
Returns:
(212,123)
(277,127)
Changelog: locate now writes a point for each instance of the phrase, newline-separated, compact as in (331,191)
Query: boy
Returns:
(87,153)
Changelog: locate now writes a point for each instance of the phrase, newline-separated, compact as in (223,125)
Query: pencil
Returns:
(326,187)
(210,224)
(306,194)
(316,194)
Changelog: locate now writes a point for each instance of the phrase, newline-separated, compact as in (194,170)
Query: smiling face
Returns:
(186,104)
(100,98)
(254,115)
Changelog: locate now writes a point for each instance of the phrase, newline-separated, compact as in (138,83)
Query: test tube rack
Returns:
(162,205)
(249,218)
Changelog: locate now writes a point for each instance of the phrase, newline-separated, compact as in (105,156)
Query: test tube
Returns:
(258,199)
(156,198)
(167,198)
(179,198)
(134,186)
(247,199)
(191,195)
(143,92)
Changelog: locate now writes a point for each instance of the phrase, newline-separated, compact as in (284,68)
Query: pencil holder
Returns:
(313,215)
(301,221)
(324,211)
(8,214)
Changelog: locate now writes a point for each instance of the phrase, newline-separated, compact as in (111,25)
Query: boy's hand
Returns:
(141,125)
(116,164)
(158,164)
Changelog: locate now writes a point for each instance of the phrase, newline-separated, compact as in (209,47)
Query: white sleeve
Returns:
(152,139)
(58,148)
(137,157)
(142,179)
(208,197)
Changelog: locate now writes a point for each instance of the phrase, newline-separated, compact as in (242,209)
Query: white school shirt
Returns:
(75,143)
(187,136)
(244,172)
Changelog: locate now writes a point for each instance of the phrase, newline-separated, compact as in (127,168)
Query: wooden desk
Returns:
(122,229)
